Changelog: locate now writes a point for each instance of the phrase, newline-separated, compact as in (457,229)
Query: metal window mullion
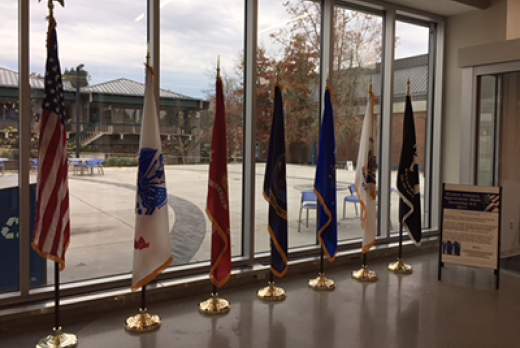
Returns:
(385,139)
(153,40)
(436,127)
(24,145)
(429,126)
(326,46)
(468,127)
(496,125)
(248,186)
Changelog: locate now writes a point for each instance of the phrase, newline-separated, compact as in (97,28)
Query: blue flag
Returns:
(275,188)
(325,183)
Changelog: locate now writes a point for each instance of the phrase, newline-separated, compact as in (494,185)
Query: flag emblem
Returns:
(151,187)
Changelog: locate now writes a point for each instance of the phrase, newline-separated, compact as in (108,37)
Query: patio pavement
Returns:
(102,216)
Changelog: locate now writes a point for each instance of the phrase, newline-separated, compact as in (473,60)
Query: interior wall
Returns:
(513,24)
(473,28)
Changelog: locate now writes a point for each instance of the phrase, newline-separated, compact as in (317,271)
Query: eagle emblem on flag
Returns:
(151,183)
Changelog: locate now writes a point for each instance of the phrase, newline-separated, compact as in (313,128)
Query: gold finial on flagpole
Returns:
(408,87)
(218,66)
(50,5)
(149,68)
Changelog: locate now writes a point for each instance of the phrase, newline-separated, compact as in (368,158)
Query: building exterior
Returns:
(110,116)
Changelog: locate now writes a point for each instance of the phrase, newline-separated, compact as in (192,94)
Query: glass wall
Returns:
(101,60)
(9,144)
(487,121)
(412,61)
(96,48)
(357,62)
(288,52)
(194,34)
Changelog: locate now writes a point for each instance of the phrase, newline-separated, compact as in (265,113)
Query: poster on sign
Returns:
(470,226)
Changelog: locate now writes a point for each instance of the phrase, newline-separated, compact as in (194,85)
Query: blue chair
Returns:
(2,166)
(352,198)
(98,163)
(308,201)
(35,164)
(90,164)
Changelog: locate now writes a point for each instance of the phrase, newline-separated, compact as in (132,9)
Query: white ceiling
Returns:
(445,8)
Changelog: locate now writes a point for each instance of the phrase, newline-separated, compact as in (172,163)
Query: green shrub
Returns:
(121,162)
(11,154)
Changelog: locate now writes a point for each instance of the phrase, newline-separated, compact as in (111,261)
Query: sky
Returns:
(109,38)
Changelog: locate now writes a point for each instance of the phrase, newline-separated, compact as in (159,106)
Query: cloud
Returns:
(105,36)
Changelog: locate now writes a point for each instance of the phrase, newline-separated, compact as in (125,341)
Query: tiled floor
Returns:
(463,310)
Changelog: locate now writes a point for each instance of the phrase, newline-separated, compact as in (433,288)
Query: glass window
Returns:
(288,50)
(412,61)
(487,121)
(193,35)
(356,65)
(99,51)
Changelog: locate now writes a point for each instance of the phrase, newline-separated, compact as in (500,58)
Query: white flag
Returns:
(366,168)
(152,251)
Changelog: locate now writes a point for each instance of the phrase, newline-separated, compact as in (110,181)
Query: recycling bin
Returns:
(10,242)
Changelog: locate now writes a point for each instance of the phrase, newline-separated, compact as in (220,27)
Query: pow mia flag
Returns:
(408,178)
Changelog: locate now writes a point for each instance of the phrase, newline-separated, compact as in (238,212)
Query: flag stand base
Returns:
(321,283)
(214,305)
(58,340)
(400,267)
(271,293)
(143,322)
(364,274)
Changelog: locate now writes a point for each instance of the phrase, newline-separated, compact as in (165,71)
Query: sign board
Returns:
(471,226)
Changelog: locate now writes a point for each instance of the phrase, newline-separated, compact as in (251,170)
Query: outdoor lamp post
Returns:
(78,110)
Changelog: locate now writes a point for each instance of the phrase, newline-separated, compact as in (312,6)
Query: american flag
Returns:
(493,205)
(52,225)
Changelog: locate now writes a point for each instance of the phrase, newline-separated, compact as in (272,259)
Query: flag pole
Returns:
(215,305)
(276,157)
(144,321)
(365,274)
(399,267)
(58,338)
(322,283)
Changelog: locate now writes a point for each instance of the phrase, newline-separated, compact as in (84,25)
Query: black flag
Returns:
(408,178)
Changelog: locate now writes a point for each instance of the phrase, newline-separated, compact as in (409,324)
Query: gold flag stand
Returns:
(58,339)
(364,274)
(400,267)
(321,283)
(271,292)
(143,321)
(214,305)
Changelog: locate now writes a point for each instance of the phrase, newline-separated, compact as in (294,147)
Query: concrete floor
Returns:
(463,310)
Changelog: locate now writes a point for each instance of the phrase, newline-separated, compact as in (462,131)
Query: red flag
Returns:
(52,227)
(218,197)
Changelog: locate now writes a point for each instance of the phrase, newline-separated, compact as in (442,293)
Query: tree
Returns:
(72,76)
(356,53)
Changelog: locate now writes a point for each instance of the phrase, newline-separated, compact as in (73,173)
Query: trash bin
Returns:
(9,241)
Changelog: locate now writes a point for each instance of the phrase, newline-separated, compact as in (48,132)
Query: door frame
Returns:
(469,117)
